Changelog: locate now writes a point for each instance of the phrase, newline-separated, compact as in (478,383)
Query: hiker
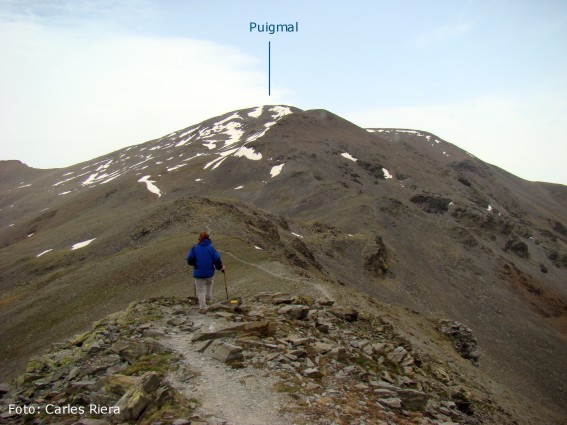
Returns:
(204,258)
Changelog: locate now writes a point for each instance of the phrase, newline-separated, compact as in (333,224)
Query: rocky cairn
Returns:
(463,339)
(332,365)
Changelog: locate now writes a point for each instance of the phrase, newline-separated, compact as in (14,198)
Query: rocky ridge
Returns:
(275,359)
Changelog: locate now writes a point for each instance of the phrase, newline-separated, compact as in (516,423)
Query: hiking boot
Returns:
(203,310)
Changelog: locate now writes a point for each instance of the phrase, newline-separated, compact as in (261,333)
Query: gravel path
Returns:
(232,396)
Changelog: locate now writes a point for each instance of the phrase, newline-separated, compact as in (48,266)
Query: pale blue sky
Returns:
(83,78)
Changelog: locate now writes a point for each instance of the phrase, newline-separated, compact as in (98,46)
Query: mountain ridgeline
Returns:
(298,201)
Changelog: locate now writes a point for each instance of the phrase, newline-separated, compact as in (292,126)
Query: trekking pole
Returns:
(225,287)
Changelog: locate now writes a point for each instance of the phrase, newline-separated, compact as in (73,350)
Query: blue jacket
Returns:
(204,258)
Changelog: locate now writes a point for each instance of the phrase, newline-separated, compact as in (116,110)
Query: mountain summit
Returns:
(295,200)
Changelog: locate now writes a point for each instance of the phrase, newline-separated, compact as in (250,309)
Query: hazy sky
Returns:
(80,79)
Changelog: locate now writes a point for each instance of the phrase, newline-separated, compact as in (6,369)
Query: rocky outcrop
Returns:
(463,339)
(333,363)
(518,247)
(432,204)
(112,374)
(136,400)
(376,257)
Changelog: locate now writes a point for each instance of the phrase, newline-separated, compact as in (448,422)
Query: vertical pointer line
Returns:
(269,69)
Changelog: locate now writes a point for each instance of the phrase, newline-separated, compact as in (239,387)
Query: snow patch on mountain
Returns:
(177,167)
(417,133)
(348,156)
(90,180)
(83,244)
(280,112)
(44,252)
(248,153)
(69,179)
(222,156)
(260,134)
(211,144)
(234,116)
(150,185)
(115,176)
(184,141)
(387,174)
(227,127)
(234,133)
(233,130)
(187,132)
(276,170)
(193,157)
(256,112)
(104,166)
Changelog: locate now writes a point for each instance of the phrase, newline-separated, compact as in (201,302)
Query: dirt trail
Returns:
(237,396)
(294,279)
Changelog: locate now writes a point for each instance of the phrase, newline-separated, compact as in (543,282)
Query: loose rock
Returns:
(224,352)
